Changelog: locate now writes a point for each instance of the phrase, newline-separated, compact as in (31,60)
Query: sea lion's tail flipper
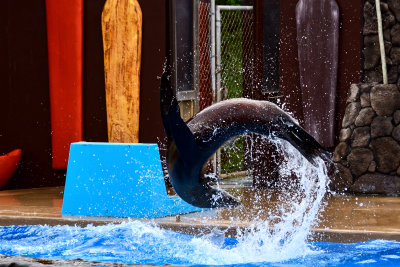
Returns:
(305,143)
(175,128)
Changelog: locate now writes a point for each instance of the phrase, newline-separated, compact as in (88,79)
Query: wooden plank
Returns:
(350,65)
(122,39)
(318,41)
(64,35)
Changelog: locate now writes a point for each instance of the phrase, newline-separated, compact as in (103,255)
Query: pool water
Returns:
(144,243)
(277,239)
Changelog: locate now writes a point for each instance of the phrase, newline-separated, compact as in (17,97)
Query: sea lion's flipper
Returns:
(304,142)
(176,129)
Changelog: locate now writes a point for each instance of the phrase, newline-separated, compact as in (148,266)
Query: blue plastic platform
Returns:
(118,180)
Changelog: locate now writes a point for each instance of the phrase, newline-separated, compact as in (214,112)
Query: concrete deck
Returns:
(344,219)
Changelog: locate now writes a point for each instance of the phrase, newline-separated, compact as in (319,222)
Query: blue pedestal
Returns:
(118,180)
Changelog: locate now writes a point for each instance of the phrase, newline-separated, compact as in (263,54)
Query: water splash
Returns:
(283,233)
(143,243)
(279,237)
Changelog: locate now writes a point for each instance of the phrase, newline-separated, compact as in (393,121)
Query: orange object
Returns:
(65,45)
(8,165)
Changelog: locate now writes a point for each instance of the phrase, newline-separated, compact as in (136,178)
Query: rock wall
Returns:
(390,10)
(368,155)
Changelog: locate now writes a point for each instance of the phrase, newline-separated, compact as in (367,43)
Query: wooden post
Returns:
(122,39)
(318,55)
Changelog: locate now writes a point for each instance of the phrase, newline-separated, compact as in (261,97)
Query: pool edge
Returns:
(199,228)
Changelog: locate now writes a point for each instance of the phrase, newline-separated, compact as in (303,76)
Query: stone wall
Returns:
(368,155)
(390,10)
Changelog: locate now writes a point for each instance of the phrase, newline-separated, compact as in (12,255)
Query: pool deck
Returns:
(344,218)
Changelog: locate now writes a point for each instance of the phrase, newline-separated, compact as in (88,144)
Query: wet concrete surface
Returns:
(18,261)
(345,218)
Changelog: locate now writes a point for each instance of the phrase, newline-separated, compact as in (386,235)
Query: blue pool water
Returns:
(292,215)
(144,243)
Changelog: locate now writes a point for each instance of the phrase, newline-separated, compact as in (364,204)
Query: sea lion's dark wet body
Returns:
(192,144)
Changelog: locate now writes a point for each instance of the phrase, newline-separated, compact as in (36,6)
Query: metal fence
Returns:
(204,54)
(233,48)
(225,51)
(234,44)
(225,57)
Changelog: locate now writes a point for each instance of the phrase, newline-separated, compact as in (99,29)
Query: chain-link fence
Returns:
(225,33)
(225,63)
(204,54)
(234,48)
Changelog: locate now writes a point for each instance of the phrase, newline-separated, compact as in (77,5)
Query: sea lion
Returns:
(191,145)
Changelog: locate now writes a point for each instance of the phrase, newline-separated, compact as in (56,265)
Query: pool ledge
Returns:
(204,227)
(343,218)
